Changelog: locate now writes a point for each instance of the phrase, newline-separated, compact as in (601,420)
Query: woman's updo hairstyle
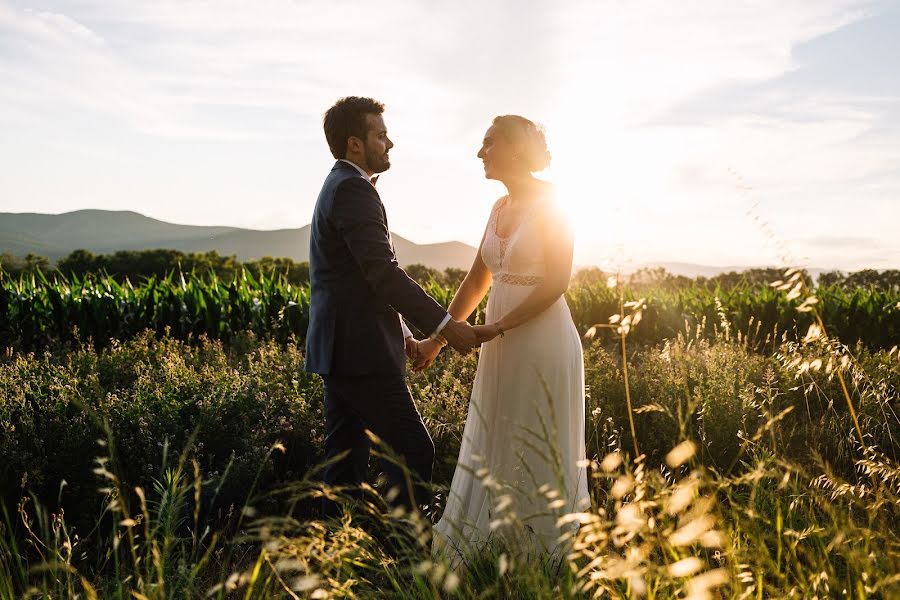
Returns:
(519,130)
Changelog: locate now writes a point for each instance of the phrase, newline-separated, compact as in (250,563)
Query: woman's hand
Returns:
(486,333)
(428,349)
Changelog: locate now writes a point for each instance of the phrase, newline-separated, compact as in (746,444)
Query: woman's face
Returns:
(500,157)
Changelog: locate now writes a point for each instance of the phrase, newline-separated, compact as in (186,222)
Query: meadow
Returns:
(161,440)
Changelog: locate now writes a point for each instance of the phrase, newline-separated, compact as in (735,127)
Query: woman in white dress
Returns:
(521,463)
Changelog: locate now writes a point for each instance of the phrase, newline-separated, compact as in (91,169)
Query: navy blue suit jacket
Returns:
(357,287)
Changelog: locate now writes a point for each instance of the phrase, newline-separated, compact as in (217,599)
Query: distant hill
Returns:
(104,231)
(695,270)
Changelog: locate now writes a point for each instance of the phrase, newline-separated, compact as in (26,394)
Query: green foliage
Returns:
(243,398)
(720,393)
(15,266)
(793,494)
(139,265)
(239,401)
(36,313)
(887,280)
(758,313)
(425,275)
(790,503)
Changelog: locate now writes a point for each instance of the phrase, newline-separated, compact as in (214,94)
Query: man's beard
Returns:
(377,163)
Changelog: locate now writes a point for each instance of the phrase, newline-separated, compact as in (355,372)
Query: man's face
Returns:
(377,144)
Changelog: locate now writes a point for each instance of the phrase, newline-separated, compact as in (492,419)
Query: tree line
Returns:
(139,265)
(659,278)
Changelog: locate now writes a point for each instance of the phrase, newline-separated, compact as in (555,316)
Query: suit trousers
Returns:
(383,405)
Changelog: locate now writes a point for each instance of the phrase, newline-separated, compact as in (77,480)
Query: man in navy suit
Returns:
(357,339)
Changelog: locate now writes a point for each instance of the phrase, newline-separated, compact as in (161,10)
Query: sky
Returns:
(724,133)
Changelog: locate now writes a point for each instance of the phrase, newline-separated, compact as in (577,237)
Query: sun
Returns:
(610,180)
(589,180)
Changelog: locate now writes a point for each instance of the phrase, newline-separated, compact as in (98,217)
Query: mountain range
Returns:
(104,232)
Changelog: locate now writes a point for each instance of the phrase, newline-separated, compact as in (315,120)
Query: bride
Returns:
(521,463)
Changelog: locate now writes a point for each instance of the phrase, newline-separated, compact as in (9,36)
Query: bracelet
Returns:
(500,329)
(441,340)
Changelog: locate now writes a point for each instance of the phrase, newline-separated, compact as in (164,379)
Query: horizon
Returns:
(710,135)
(652,263)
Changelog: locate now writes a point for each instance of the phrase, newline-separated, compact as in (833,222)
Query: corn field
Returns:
(37,313)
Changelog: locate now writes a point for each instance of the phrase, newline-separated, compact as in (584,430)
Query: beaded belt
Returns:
(518,279)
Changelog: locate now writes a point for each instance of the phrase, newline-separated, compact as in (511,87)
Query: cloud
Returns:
(649,105)
(54,65)
(647,56)
(157,65)
(841,242)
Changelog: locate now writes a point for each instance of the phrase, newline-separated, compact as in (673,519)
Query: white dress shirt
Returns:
(406,332)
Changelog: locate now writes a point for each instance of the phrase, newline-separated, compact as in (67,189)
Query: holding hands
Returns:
(412,349)
(428,349)
(460,335)
(486,333)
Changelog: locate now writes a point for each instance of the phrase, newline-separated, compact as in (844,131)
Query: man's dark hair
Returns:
(348,118)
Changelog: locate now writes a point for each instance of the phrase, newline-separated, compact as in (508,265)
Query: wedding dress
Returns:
(521,462)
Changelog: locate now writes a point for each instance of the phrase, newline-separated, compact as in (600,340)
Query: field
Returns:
(161,440)
(36,313)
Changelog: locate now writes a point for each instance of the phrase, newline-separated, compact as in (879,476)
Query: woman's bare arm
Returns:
(467,298)
(473,288)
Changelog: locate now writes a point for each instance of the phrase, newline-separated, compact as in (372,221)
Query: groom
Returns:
(357,339)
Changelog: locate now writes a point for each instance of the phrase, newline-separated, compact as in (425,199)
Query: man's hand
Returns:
(460,336)
(412,349)
(428,350)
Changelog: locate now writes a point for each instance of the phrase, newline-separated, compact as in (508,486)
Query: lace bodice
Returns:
(518,258)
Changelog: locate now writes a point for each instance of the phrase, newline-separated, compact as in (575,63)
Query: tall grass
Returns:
(716,470)
(794,504)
